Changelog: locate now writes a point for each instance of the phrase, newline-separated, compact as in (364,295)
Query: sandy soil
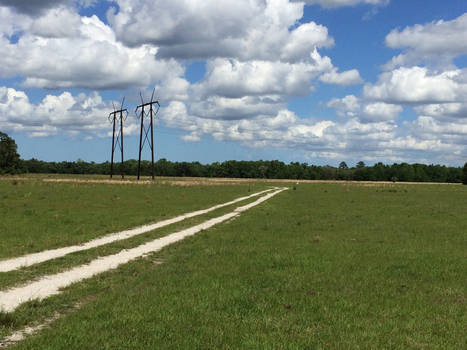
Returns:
(51,284)
(21,334)
(32,329)
(35,258)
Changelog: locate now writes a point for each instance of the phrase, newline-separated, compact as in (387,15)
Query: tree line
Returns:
(10,162)
(257,169)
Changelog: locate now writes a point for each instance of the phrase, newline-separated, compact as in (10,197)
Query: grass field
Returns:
(39,215)
(321,266)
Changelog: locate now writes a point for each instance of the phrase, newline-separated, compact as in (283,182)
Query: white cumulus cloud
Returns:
(366,111)
(436,43)
(418,85)
(232,78)
(242,29)
(350,77)
(65,114)
(340,3)
(83,53)
(319,138)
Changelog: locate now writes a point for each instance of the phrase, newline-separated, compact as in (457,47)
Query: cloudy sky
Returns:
(317,81)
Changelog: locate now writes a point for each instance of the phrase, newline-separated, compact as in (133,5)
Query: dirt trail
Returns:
(21,334)
(51,284)
(35,258)
(31,329)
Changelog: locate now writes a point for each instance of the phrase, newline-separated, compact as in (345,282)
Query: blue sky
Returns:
(320,81)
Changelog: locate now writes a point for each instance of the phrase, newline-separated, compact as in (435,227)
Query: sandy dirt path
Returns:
(21,334)
(51,284)
(35,258)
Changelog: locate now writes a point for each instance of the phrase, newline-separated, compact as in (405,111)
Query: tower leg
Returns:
(121,144)
(113,149)
(140,141)
(152,144)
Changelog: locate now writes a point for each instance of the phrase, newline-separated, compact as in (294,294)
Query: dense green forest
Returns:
(257,169)
(11,163)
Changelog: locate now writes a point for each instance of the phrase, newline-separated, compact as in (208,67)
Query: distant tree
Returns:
(379,172)
(360,164)
(419,172)
(343,165)
(329,173)
(404,172)
(455,175)
(362,174)
(9,157)
(263,169)
(465,174)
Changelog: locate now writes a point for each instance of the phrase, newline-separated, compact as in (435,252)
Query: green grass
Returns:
(21,276)
(37,215)
(329,266)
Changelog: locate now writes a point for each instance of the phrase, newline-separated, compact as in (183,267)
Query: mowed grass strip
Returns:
(37,215)
(319,267)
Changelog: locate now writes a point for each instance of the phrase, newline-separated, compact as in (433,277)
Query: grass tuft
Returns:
(7,320)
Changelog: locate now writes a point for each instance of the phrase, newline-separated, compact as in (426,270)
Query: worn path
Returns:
(51,284)
(35,258)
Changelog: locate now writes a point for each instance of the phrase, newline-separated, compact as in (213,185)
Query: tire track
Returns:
(35,258)
(51,284)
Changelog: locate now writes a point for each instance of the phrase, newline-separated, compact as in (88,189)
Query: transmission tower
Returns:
(117,118)
(147,111)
